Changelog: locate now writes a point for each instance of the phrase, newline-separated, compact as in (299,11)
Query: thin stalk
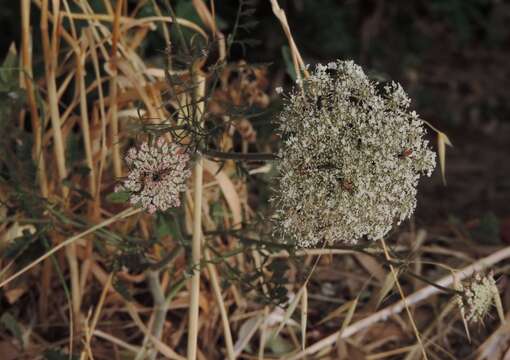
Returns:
(85,122)
(51,49)
(299,65)
(374,253)
(217,292)
(26,52)
(95,62)
(263,327)
(431,283)
(95,319)
(402,295)
(179,29)
(114,120)
(213,274)
(38,154)
(160,346)
(80,57)
(160,308)
(126,213)
(50,58)
(74,273)
(240,156)
(157,10)
(413,299)
(197,231)
(195,260)
(263,334)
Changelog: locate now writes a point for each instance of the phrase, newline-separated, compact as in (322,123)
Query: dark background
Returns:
(452,57)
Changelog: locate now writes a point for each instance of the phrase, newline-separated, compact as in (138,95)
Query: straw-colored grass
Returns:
(95,83)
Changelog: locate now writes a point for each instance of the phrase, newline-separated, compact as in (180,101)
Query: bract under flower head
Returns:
(351,158)
(157,174)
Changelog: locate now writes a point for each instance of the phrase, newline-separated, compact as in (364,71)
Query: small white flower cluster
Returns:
(157,174)
(477,298)
(351,157)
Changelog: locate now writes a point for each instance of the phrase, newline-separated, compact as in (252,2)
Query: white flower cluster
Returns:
(351,157)
(157,174)
(477,298)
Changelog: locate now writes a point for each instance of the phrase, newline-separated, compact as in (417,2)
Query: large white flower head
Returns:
(351,157)
(157,174)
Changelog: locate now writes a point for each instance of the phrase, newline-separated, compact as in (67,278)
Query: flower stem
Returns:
(160,307)
(197,229)
(240,156)
(195,260)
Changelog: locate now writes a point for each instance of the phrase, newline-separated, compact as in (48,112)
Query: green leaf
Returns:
(217,212)
(122,289)
(287,58)
(25,248)
(11,324)
(278,345)
(9,71)
(57,354)
(165,227)
(488,230)
(119,197)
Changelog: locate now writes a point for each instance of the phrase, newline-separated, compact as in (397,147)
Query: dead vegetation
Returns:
(85,276)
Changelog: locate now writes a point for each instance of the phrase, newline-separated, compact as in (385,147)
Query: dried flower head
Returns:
(477,297)
(157,174)
(351,158)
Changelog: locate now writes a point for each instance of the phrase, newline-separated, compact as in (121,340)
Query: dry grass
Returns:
(65,298)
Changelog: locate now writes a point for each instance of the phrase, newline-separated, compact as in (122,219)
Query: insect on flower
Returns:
(406,153)
(342,139)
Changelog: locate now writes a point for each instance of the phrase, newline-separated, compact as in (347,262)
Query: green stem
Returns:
(240,156)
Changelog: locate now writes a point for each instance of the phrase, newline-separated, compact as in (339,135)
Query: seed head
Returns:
(351,158)
(477,298)
(157,174)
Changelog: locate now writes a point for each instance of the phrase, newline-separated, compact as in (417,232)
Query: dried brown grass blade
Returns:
(299,65)
(412,299)
(388,284)
(159,345)
(442,141)
(124,214)
(304,317)
(350,313)
(228,189)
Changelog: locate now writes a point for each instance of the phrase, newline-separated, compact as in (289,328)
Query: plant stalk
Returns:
(198,173)
(404,299)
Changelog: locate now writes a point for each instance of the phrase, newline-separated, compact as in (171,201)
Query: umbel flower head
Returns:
(477,297)
(157,174)
(351,157)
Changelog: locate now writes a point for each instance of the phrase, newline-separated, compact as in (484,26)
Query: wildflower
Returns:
(157,174)
(351,158)
(477,297)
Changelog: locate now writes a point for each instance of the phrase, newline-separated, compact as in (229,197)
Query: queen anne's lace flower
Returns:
(477,297)
(157,174)
(351,158)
